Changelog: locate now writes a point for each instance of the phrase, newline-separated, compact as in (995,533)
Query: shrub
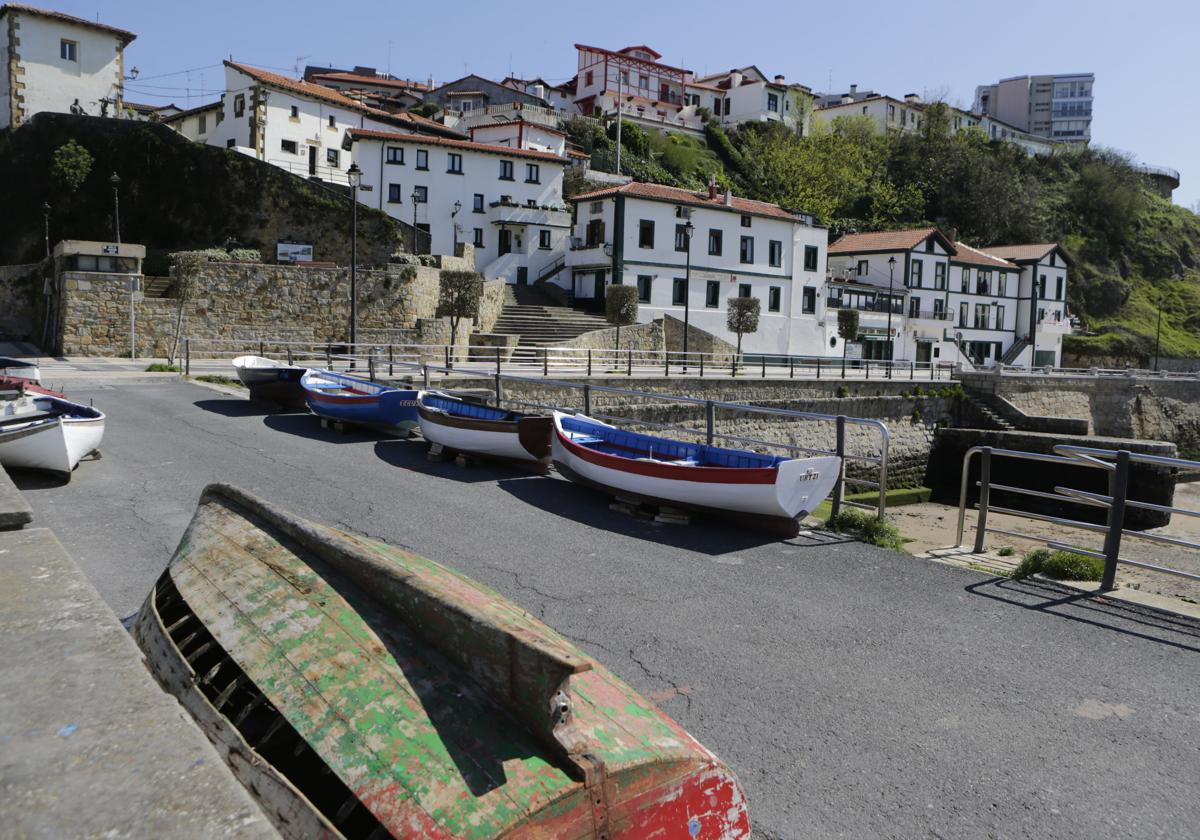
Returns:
(1007,551)
(868,528)
(1060,565)
(159,367)
(621,308)
(843,391)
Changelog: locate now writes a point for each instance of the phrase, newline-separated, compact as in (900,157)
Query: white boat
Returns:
(482,430)
(20,369)
(47,433)
(766,491)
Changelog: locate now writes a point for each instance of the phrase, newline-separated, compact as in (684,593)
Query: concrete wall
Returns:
(20,286)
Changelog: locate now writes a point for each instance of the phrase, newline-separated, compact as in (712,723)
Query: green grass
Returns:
(895,498)
(868,528)
(219,380)
(1007,551)
(1060,565)
(161,367)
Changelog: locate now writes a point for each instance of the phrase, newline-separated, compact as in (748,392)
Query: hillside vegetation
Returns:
(1131,247)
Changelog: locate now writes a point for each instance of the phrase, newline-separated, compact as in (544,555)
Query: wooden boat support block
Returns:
(92,747)
(15,512)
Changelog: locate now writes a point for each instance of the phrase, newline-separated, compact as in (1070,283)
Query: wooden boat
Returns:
(41,432)
(20,369)
(766,491)
(270,380)
(361,402)
(12,383)
(482,430)
(359,690)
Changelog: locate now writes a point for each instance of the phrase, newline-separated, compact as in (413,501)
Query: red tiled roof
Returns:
(182,114)
(518,121)
(358,78)
(643,48)
(468,145)
(676,195)
(1023,252)
(625,55)
(973,256)
(884,240)
(465,93)
(124,35)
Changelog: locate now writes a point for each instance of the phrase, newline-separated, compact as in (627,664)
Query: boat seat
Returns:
(578,438)
(29,418)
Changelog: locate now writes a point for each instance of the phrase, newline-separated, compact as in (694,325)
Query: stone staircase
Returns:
(990,410)
(540,322)
(156,287)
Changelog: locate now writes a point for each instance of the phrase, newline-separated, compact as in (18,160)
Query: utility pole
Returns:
(1158,333)
(619,72)
(891,302)
(46,219)
(115,180)
(688,229)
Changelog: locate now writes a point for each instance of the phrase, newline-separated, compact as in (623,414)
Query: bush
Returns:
(1060,565)
(159,367)
(70,166)
(1007,551)
(868,528)
(843,392)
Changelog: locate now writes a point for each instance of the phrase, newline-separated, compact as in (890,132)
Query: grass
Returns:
(1007,551)
(162,367)
(868,528)
(219,380)
(895,498)
(1060,565)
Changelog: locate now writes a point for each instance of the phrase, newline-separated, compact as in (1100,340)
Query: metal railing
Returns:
(1117,463)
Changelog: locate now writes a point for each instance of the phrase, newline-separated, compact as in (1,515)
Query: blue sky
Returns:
(1146,54)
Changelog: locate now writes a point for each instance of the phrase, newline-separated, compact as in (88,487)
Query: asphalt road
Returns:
(856,692)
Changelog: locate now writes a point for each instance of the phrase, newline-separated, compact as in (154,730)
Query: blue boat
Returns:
(348,399)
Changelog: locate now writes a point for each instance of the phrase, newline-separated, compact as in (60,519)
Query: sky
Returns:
(1145,54)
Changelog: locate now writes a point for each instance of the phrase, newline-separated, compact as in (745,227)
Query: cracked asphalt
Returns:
(856,692)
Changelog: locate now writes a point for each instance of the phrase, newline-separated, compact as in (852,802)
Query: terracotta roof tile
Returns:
(973,256)
(661,192)
(123,34)
(358,78)
(1023,252)
(884,240)
(468,145)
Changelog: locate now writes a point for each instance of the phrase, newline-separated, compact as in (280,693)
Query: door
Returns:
(505,242)
(924,353)
(522,275)
(598,291)
(312,160)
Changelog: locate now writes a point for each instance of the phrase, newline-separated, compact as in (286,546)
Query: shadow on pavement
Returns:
(309,426)
(410,455)
(1096,610)
(234,407)
(37,479)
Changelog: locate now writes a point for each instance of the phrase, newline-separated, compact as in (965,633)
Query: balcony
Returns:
(583,253)
(866,306)
(1050,324)
(930,315)
(509,213)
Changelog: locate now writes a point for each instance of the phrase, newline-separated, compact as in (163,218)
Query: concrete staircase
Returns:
(1013,352)
(990,411)
(533,315)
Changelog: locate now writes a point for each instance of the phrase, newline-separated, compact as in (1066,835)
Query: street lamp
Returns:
(891,305)
(115,180)
(454,224)
(416,199)
(354,176)
(688,229)
(1158,332)
(46,219)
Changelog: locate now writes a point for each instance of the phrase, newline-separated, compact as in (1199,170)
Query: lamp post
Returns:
(891,302)
(115,180)
(1158,332)
(416,199)
(688,229)
(46,219)
(454,224)
(354,176)
(1033,322)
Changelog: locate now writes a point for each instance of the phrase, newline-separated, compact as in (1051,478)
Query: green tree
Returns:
(70,166)
(459,298)
(741,318)
(847,326)
(621,308)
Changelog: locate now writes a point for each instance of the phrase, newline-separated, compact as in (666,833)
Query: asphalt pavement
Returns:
(856,692)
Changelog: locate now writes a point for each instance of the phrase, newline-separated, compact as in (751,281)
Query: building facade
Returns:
(1057,106)
(646,90)
(747,95)
(54,62)
(196,124)
(1042,317)
(637,235)
(473,93)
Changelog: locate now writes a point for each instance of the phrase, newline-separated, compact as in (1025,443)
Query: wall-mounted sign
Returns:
(293,252)
(720,277)
(854,350)
(112,249)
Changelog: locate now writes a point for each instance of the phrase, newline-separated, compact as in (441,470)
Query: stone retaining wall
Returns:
(19,289)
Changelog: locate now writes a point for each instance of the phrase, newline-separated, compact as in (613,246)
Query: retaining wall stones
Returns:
(19,288)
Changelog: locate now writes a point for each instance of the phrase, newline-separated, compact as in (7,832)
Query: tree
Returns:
(847,330)
(459,298)
(742,318)
(70,166)
(621,308)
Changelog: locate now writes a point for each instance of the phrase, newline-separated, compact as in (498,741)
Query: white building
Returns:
(54,62)
(636,234)
(506,201)
(520,134)
(560,97)
(299,126)
(1056,106)
(887,113)
(747,95)
(1042,318)
(646,90)
(983,300)
(196,124)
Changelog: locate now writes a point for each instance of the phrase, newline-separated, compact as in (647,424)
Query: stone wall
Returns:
(645,341)
(699,341)
(483,345)
(20,286)
(490,305)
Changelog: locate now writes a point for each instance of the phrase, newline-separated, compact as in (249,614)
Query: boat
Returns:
(20,369)
(359,690)
(273,381)
(13,383)
(463,426)
(767,491)
(361,402)
(41,432)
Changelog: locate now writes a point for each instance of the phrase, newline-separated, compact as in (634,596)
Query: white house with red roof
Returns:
(504,200)
(50,61)
(1042,318)
(637,234)
(519,133)
(747,95)
(646,90)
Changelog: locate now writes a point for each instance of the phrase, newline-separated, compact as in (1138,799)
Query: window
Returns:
(743,290)
(810,257)
(422,158)
(999,317)
(332,121)
(1041,292)
(239,104)
(68,50)
(295,112)
(773,297)
(808,303)
(422,194)
(395,154)
(966,280)
(288,146)
(1001,282)
(772,102)
(774,253)
(395,196)
(478,237)
(914,307)
(477,203)
(643,286)
(506,170)
(544,240)
(331,157)
(1058,289)
(939,276)
(747,252)
(982,310)
(597,208)
(202,128)
(230,143)
(746,221)
(714,242)
(533,173)
(863,268)
(645,233)
(588,77)
(962,313)
(595,233)
(681,238)
(712,294)
(929,245)
(678,291)
(915,271)
(939,308)
(454,163)
(982,282)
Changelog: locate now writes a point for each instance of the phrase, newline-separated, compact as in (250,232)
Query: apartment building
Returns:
(506,201)
(196,124)
(887,113)
(1041,317)
(472,93)
(50,61)
(638,234)
(560,97)
(1057,106)
(645,89)
(983,299)
(747,95)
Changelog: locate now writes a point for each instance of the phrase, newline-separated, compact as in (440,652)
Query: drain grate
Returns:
(235,696)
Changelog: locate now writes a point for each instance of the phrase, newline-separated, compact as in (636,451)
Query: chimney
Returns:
(778,78)
(735,78)
(728,197)
(712,190)
(911,97)
(952,235)
(853,89)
